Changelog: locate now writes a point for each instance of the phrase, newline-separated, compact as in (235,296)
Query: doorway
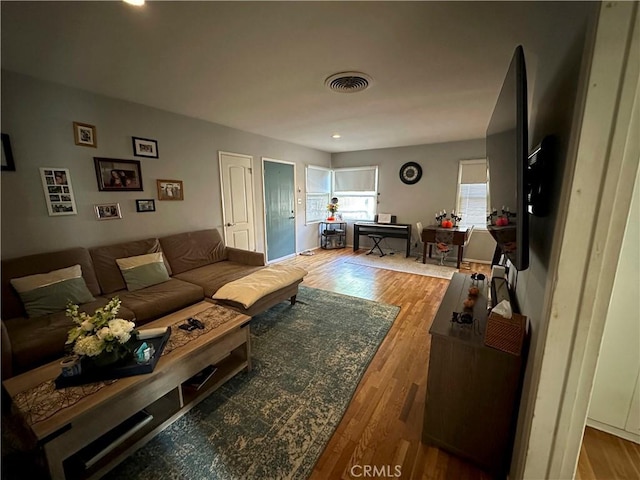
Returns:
(279,208)
(236,182)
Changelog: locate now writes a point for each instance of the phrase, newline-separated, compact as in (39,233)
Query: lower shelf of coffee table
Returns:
(103,454)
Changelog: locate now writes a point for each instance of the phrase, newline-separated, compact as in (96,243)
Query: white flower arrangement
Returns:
(100,332)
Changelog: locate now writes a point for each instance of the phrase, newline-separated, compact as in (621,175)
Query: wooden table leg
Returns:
(54,457)
(424,253)
(460,248)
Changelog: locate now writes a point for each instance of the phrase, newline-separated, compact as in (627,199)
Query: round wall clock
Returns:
(410,173)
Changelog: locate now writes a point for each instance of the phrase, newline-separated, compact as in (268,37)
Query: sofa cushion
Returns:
(42,263)
(143,270)
(249,289)
(37,341)
(107,270)
(186,251)
(46,293)
(212,277)
(161,299)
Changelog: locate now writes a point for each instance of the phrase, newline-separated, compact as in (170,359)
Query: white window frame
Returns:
(481,225)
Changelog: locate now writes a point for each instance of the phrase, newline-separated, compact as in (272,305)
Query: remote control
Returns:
(196,323)
(187,327)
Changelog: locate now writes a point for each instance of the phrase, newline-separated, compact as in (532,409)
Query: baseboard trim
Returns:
(632,437)
(474,260)
(281,259)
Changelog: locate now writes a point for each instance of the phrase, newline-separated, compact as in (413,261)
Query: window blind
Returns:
(472,193)
(473,171)
(361,179)
(318,179)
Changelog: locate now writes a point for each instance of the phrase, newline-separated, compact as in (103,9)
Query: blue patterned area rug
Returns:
(274,422)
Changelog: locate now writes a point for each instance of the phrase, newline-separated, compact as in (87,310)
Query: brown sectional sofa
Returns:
(28,342)
(151,302)
(201,258)
(198,262)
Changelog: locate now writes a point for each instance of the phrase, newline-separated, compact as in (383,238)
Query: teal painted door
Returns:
(279,204)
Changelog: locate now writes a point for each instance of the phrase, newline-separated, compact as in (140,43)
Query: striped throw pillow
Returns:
(143,270)
(47,293)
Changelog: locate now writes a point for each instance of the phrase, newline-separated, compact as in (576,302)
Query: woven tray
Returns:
(505,334)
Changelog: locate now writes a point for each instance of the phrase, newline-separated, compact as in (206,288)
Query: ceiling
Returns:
(437,67)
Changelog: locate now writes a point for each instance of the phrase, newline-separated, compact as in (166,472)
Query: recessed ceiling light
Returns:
(336,135)
(137,3)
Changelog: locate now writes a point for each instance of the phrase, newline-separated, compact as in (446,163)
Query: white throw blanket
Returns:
(248,290)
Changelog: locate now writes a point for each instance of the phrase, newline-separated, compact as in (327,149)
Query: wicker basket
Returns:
(506,334)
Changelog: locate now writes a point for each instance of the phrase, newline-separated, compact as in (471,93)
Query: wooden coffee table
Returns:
(107,421)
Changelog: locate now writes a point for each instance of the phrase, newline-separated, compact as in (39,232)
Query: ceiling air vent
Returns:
(348,82)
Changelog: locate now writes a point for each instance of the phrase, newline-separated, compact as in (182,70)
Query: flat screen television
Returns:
(507,161)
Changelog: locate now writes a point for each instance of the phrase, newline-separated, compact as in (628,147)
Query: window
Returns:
(356,189)
(357,192)
(318,183)
(472,193)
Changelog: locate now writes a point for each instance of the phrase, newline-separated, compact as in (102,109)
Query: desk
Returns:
(460,237)
(393,230)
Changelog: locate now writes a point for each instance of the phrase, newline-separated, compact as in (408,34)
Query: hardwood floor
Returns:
(382,426)
(605,456)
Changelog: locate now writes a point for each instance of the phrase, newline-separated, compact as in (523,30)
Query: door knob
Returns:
(230,224)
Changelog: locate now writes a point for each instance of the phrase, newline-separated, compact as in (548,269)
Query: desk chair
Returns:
(444,243)
(466,243)
(420,243)
(376,243)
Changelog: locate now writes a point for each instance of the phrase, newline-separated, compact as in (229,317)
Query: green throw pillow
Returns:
(47,293)
(143,271)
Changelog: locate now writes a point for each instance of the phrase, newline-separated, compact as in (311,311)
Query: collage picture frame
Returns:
(58,192)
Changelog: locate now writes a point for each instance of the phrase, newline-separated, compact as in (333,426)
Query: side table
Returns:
(333,234)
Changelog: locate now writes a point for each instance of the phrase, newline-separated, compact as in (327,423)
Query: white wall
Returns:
(614,408)
(38,117)
(435,191)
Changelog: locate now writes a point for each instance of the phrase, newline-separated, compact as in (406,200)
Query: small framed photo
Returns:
(116,175)
(7,155)
(145,147)
(108,211)
(146,205)
(170,190)
(85,134)
(58,192)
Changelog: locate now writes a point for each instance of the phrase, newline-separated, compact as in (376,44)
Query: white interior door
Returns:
(236,181)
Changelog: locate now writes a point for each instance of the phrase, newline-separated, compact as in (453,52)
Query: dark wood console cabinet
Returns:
(473,391)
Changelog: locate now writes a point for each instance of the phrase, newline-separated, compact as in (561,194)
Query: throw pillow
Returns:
(47,293)
(143,270)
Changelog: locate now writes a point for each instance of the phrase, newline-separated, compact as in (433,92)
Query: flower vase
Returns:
(330,219)
(114,357)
